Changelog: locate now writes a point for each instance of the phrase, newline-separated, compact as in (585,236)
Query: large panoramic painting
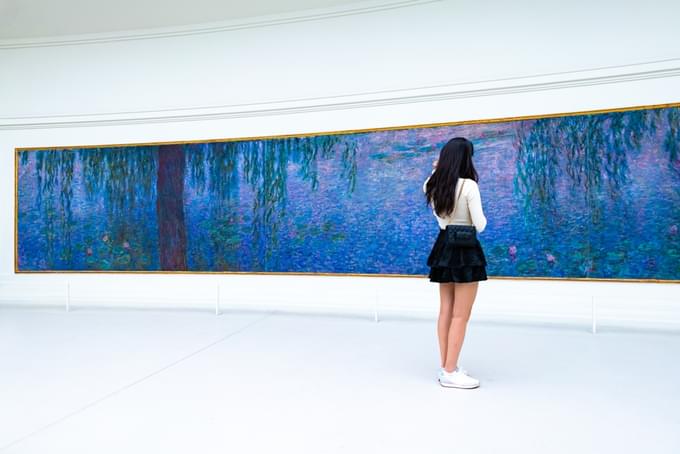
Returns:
(590,195)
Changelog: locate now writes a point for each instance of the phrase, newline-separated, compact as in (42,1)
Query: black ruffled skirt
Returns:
(456,264)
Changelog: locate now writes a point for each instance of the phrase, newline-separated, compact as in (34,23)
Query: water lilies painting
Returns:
(589,195)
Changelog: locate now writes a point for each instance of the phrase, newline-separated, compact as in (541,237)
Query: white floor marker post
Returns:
(594,316)
(68,296)
(217,301)
(375,305)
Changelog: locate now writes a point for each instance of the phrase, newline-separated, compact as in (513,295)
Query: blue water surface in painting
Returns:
(84,235)
(354,203)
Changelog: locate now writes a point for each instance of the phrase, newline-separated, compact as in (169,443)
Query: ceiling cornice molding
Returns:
(216,27)
(662,69)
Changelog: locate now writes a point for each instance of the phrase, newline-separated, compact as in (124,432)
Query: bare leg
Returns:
(465,297)
(446,299)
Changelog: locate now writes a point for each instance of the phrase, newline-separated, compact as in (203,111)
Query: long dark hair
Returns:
(455,161)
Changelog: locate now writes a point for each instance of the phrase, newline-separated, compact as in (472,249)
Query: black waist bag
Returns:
(460,235)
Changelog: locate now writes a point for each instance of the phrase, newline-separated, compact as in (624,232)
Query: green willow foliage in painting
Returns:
(119,178)
(590,155)
(575,196)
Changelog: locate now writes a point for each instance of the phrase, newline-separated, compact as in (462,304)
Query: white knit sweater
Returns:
(468,210)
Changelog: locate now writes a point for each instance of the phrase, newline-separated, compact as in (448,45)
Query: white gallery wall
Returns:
(365,65)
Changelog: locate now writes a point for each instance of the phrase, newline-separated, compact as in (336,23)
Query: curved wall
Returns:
(405,63)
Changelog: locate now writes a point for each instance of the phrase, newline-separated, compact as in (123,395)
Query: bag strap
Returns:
(459,194)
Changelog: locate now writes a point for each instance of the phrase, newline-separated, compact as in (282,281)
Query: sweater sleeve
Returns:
(426,180)
(425,184)
(474,199)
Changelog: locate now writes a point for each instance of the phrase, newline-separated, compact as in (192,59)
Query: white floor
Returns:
(124,381)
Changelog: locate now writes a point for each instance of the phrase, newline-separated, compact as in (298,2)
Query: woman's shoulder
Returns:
(469,182)
(471,187)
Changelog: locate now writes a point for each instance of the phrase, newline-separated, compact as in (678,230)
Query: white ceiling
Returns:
(25,19)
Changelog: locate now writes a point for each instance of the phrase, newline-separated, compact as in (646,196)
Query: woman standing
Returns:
(453,193)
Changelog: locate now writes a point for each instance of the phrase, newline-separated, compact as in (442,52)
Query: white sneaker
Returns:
(441,371)
(457,379)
